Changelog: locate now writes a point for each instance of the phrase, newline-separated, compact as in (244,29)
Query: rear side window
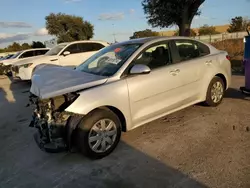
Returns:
(84,47)
(89,47)
(191,49)
(40,52)
(203,49)
(27,54)
(97,46)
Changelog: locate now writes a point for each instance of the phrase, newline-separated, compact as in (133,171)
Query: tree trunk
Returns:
(184,26)
(184,29)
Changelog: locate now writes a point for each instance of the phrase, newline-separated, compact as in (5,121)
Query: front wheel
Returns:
(215,92)
(98,133)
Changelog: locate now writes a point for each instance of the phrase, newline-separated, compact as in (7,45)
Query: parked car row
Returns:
(22,64)
(117,88)
(9,61)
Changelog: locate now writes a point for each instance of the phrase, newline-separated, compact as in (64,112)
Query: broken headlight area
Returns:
(53,123)
(5,69)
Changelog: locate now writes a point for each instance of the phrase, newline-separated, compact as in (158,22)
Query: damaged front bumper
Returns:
(5,69)
(54,125)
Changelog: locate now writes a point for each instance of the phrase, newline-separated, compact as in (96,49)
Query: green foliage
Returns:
(15,46)
(37,44)
(144,33)
(238,24)
(192,33)
(25,46)
(207,30)
(166,13)
(68,28)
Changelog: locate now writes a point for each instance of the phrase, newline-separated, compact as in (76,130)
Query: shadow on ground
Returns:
(23,164)
(235,94)
(126,167)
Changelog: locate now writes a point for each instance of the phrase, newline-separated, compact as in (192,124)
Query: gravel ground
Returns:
(195,147)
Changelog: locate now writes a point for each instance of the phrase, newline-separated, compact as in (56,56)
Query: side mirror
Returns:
(66,53)
(140,69)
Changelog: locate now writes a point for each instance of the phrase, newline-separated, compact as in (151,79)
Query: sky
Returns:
(24,20)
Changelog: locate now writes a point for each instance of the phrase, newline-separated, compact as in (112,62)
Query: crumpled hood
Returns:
(52,80)
(37,59)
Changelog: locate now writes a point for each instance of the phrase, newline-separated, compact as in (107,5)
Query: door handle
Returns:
(175,72)
(209,62)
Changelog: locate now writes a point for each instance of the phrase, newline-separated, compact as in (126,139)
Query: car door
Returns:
(191,59)
(70,60)
(155,94)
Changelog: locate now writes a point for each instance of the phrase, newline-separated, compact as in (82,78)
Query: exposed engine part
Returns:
(5,69)
(52,122)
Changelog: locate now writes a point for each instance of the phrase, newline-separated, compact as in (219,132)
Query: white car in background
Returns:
(24,55)
(68,54)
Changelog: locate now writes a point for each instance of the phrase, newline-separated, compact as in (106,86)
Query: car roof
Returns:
(83,41)
(153,39)
(33,49)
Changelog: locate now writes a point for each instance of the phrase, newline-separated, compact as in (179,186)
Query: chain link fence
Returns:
(221,37)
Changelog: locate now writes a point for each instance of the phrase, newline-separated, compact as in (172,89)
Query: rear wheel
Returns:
(98,134)
(215,92)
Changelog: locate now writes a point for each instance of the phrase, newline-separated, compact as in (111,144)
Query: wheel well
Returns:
(223,78)
(119,114)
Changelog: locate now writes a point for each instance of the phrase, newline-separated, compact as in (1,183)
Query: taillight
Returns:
(228,57)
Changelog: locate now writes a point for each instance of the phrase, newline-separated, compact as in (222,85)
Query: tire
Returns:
(85,131)
(210,100)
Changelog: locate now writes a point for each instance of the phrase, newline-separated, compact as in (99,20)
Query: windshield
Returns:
(109,60)
(14,56)
(56,49)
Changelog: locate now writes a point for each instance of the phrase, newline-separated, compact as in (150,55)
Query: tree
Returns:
(238,24)
(37,44)
(25,46)
(207,30)
(192,33)
(68,28)
(166,13)
(144,33)
(14,47)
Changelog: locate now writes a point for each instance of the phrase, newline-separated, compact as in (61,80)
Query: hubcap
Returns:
(217,92)
(102,135)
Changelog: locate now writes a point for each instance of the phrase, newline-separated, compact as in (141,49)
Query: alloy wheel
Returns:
(102,135)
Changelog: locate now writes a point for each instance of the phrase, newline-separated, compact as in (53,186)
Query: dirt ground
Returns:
(196,147)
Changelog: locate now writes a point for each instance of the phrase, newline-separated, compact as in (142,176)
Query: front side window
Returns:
(56,49)
(73,49)
(155,56)
(191,49)
(27,54)
(109,60)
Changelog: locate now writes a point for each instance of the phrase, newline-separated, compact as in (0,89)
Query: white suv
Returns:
(25,54)
(64,54)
